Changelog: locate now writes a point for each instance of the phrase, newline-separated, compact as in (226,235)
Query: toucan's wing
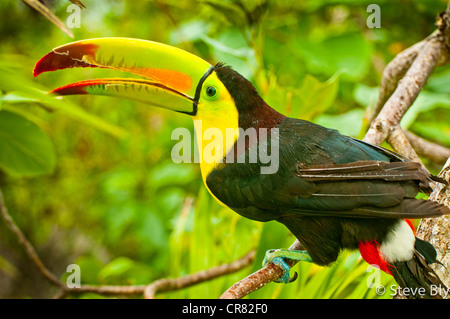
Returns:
(367,189)
(356,190)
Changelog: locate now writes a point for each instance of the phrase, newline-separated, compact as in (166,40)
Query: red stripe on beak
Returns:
(72,57)
(77,87)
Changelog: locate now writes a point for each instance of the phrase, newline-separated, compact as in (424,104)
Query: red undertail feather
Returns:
(371,254)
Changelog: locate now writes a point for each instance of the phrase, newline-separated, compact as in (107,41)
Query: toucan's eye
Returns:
(211,91)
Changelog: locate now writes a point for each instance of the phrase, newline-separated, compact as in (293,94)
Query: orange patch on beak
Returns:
(171,78)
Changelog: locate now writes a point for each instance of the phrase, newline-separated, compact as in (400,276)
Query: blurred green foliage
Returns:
(90,180)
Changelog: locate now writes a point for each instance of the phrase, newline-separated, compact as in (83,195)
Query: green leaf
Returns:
(168,173)
(348,123)
(311,99)
(25,150)
(316,97)
(438,82)
(348,53)
(123,270)
(190,31)
(425,102)
(116,267)
(231,48)
(90,266)
(365,95)
(438,132)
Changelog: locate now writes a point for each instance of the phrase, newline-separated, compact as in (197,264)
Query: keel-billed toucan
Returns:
(331,191)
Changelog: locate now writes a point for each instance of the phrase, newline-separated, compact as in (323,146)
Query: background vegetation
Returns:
(90,180)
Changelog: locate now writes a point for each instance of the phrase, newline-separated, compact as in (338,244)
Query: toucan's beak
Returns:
(171,77)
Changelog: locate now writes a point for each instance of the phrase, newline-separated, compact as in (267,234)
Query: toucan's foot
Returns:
(279,257)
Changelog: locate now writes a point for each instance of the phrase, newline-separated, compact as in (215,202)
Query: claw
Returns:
(279,256)
(285,277)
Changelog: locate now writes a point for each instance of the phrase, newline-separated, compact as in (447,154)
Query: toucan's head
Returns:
(169,78)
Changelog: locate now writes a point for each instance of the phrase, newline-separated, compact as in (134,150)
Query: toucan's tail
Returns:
(415,276)
(408,259)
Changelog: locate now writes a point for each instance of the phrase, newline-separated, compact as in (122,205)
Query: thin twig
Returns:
(166,284)
(29,249)
(102,290)
(201,276)
(42,9)
(435,152)
(401,144)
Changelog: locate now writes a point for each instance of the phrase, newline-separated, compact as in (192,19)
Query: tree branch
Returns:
(435,152)
(393,72)
(401,144)
(436,230)
(259,278)
(201,276)
(166,284)
(406,92)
